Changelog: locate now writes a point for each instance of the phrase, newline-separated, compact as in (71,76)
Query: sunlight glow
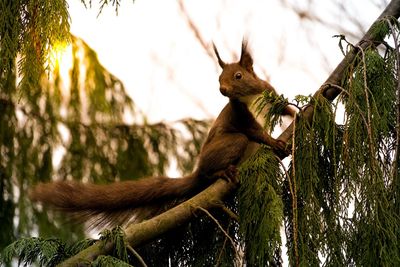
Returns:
(61,57)
(60,64)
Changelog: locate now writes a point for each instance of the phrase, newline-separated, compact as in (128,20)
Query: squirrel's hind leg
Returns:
(230,174)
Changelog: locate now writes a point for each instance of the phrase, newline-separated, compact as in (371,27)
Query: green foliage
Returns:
(199,243)
(103,3)
(313,191)
(302,100)
(339,201)
(274,105)
(368,159)
(78,246)
(29,30)
(261,208)
(117,237)
(104,261)
(30,250)
(44,252)
(381,29)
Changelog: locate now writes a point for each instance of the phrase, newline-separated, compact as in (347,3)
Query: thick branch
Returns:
(331,92)
(138,234)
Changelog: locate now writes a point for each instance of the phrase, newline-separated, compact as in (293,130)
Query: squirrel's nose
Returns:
(223,90)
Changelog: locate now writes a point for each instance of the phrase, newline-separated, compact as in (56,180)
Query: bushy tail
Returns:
(116,203)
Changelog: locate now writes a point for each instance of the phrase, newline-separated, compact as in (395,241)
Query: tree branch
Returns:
(141,233)
(330,88)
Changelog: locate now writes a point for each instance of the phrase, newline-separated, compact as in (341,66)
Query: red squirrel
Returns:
(233,137)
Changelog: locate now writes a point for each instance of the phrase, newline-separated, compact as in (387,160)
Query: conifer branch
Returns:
(355,103)
(331,92)
(397,145)
(367,101)
(293,191)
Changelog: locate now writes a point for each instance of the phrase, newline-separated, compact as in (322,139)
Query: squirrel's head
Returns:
(238,80)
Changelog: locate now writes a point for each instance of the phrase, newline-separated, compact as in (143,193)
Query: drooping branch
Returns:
(141,233)
(330,88)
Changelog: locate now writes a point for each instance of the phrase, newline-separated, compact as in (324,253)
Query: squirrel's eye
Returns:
(238,75)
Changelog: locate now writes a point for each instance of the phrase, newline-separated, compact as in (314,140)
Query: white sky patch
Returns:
(150,47)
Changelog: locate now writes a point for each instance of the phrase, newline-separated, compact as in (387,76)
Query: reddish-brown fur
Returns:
(230,138)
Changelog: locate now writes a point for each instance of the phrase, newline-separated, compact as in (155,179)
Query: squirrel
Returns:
(233,137)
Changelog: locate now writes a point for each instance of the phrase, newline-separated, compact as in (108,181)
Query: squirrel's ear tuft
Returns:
(220,62)
(246,61)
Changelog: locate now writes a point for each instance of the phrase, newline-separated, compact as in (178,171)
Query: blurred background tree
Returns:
(63,118)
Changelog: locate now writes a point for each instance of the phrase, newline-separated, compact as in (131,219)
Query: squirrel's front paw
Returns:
(281,149)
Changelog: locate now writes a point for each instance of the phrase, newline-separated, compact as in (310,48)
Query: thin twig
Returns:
(369,116)
(136,254)
(293,192)
(207,48)
(221,252)
(294,196)
(355,103)
(366,90)
(230,213)
(219,225)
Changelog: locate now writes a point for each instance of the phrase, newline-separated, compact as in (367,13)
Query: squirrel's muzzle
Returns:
(223,90)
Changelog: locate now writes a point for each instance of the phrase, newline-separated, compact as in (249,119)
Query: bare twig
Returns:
(137,255)
(366,91)
(207,48)
(306,14)
(230,213)
(219,225)
(221,252)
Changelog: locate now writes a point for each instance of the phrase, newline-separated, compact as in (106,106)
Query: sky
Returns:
(151,48)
